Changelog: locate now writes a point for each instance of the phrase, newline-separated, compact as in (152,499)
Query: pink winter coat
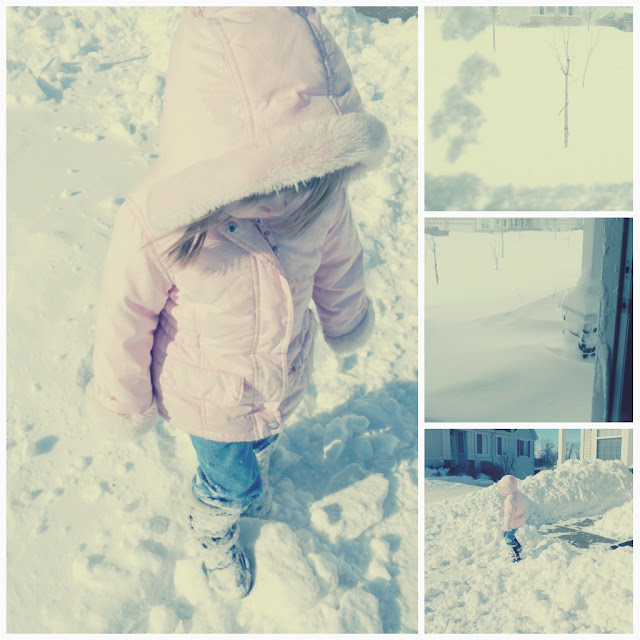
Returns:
(256,99)
(514,503)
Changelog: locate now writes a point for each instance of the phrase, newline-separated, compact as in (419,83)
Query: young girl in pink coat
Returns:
(514,507)
(217,254)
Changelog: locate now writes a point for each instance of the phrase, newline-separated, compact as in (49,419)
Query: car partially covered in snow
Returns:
(622,21)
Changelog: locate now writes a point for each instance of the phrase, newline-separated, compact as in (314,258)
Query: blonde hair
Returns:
(315,195)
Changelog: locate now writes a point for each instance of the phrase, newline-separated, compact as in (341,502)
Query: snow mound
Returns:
(616,523)
(576,488)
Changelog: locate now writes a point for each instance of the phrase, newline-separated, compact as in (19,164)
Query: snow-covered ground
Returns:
(96,536)
(518,160)
(471,584)
(494,347)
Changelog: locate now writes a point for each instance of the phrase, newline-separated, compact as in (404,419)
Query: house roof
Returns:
(523,433)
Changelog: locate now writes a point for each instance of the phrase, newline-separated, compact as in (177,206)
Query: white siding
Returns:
(433,448)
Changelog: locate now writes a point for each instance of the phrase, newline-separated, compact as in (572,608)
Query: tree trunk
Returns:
(435,259)
(494,31)
(566,106)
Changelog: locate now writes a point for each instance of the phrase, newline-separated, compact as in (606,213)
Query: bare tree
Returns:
(590,49)
(508,461)
(572,450)
(494,16)
(547,453)
(495,253)
(434,248)
(564,60)
(589,11)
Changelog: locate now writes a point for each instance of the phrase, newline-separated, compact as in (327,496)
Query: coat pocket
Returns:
(210,385)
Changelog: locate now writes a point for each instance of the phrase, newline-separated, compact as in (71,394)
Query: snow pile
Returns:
(576,488)
(508,125)
(616,523)
(102,523)
(471,584)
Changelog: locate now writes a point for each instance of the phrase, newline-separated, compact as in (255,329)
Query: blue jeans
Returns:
(228,475)
(510,537)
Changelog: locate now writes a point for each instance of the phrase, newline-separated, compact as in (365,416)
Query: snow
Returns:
(494,337)
(616,523)
(516,160)
(472,586)
(97,540)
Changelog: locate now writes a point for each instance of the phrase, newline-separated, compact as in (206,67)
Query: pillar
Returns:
(561,446)
(581,305)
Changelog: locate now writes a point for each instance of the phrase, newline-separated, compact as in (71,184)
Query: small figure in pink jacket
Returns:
(514,507)
(204,315)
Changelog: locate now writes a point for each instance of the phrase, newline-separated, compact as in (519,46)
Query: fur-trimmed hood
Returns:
(256,99)
(507,485)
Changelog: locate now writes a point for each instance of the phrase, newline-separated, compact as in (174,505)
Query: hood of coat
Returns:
(256,99)
(508,485)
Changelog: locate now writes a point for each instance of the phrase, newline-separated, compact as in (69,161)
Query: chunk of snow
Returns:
(190,581)
(285,583)
(359,612)
(162,619)
(351,511)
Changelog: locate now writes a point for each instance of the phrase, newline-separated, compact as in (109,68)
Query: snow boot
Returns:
(262,506)
(223,559)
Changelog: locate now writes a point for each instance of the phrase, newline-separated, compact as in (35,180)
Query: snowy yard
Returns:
(471,584)
(508,106)
(96,529)
(494,347)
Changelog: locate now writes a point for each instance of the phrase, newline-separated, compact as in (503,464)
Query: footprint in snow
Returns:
(44,445)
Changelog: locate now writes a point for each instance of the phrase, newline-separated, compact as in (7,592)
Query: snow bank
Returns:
(471,585)
(616,523)
(576,488)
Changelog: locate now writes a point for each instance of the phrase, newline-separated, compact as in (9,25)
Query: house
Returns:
(467,449)
(607,444)
(493,225)
(537,16)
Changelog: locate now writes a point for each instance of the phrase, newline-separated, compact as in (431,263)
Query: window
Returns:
(609,433)
(460,442)
(524,448)
(499,445)
(528,449)
(609,444)
(482,444)
(609,449)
